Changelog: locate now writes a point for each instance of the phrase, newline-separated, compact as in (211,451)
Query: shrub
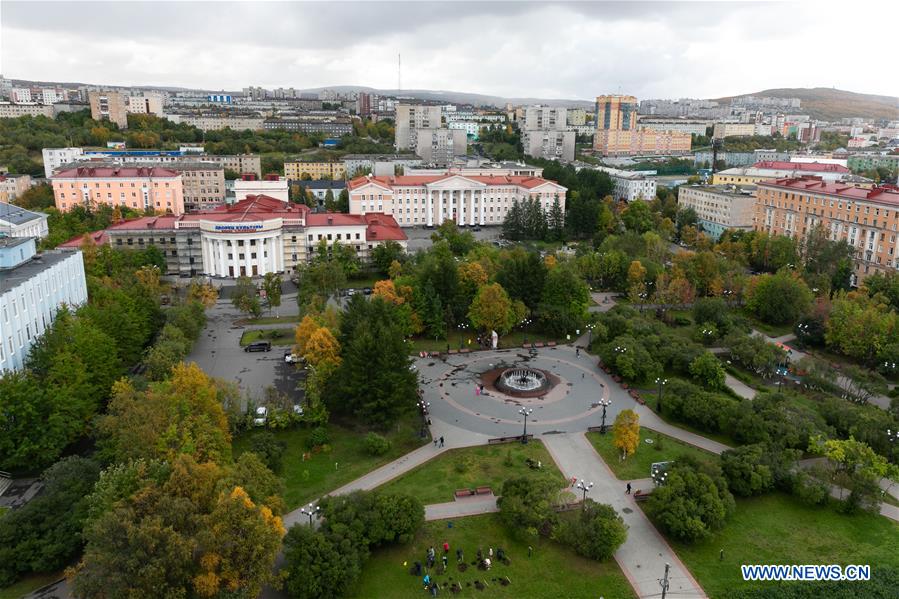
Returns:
(745,471)
(464,463)
(691,504)
(269,449)
(526,505)
(319,436)
(376,445)
(597,532)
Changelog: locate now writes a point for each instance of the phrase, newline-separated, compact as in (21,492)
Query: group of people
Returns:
(484,562)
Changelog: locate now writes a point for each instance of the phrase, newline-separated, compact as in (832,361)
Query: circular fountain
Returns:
(522,382)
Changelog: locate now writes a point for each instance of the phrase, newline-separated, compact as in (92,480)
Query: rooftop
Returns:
(887,194)
(13,277)
(17,216)
(817,167)
(109,172)
(418,180)
(324,184)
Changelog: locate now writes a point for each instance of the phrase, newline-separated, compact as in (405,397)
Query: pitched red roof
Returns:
(379,226)
(109,172)
(886,194)
(98,237)
(816,167)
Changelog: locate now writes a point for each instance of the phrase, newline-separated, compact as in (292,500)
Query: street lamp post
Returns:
(525,412)
(661,383)
(584,487)
(312,511)
(605,403)
(423,407)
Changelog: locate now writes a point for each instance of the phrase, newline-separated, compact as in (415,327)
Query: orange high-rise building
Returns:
(618,133)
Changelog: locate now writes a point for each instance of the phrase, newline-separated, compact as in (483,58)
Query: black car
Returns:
(367,291)
(259,346)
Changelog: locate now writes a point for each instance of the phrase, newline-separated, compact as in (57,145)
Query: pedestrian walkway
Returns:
(739,387)
(644,554)
(461,507)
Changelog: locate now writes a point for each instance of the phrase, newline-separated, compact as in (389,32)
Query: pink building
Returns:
(139,188)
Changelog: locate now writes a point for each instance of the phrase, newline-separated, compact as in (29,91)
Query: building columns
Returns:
(460,202)
(483,201)
(471,210)
(429,206)
(221,269)
(440,210)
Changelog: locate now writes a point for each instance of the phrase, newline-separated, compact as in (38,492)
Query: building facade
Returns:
(545,118)
(577,117)
(139,188)
(469,200)
(761,171)
(336,127)
(617,132)
(215,123)
(410,118)
(723,130)
(145,104)
(13,186)
(18,222)
(549,144)
(866,161)
(440,146)
(379,164)
(719,207)
(271,186)
(33,287)
(315,170)
(693,127)
(56,157)
(868,219)
(109,106)
(12,111)
(253,237)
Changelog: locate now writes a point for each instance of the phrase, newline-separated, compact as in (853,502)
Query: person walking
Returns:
(628,492)
(577,352)
(445,546)
(441,441)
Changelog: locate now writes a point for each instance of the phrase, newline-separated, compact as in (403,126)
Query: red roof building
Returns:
(252,237)
(138,188)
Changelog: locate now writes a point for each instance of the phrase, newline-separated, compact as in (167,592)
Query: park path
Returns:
(644,554)
(739,387)
(469,506)
(453,436)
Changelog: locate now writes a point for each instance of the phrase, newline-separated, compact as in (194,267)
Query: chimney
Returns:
(248,177)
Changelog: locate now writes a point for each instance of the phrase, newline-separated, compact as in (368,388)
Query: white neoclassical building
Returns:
(255,236)
(469,200)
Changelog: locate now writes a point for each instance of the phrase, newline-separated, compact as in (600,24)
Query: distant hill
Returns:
(834,104)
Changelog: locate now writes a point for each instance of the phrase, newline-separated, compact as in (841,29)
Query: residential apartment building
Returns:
(549,144)
(139,188)
(203,184)
(215,123)
(20,95)
(13,111)
(577,117)
(719,207)
(617,132)
(18,222)
(723,130)
(410,118)
(109,106)
(868,219)
(545,118)
(238,163)
(56,157)
(32,289)
(469,200)
(379,164)
(314,170)
(866,161)
(255,236)
(145,104)
(472,128)
(319,189)
(761,171)
(335,127)
(693,127)
(440,146)
(272,186)
(13,186)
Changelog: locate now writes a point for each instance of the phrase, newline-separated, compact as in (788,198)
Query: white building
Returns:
(272,186)
(32,289)
(20,95)
(630,185)
(410,118)
(18,222)
(378,164)
(719,207)
(12,111)
(472,128)
(693,127)
(545,118)
(51,96)
(440,146)
(549,144)
(145,104)
(429,200)
(56,157)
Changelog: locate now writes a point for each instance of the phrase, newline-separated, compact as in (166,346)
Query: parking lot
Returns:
(420,237)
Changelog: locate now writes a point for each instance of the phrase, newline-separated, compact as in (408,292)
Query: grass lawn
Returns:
(663,448)
(276,336)
(552,570)
(485,465)
(286,319)
(28,584)
(305,481)
(772,330)
(3,510)
(458,339)
(779,529)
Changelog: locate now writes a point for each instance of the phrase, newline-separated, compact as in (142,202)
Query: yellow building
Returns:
(618,134)
(314,170)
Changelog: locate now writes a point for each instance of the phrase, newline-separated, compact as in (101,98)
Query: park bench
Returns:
(463,493)
(551,344)
(641,495)
(483,491)
(497,440)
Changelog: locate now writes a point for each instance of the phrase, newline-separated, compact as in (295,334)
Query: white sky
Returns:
(573,50)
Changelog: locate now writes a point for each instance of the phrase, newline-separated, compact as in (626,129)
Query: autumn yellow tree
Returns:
(636,281)
(626,432)
(205,293)
(387,290)
(322,349)
(303,332)
(492,309)
(395,270)
(473,274)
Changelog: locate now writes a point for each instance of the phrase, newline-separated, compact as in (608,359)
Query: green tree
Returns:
(492,310)
(638,217)
(746,471)
(526,505)
(245,298)
(556,222)
(317,568)
(781,298)
(269,448)
(690,505)
(271,283)
(383,255)
(522,274)
(563,304)
(855,466)
(596,533)
(706,369)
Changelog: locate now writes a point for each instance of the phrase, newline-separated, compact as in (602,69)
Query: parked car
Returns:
(350,292)
(477,229)
(297,409)
(261,416)
(292,358)
(259,346)
(367,291)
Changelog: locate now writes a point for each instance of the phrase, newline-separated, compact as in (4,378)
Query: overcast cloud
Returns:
(514,49)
